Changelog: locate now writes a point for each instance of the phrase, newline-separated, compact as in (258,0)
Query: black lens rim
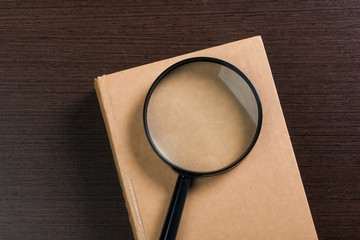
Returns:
(178,169)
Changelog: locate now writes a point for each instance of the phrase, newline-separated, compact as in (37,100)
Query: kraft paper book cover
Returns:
(261,198)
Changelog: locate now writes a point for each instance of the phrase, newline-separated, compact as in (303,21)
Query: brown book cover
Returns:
(262,198)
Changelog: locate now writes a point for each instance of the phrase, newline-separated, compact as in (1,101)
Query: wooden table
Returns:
(57,176)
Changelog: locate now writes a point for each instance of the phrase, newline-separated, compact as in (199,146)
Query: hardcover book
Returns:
(262,198)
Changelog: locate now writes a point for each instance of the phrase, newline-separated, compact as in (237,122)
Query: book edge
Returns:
(261,48)
(185,55)
(123,173)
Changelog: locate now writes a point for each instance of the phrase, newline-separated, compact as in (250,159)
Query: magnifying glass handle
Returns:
(176,207)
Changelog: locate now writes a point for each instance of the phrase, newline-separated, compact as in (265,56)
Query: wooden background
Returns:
(57,176)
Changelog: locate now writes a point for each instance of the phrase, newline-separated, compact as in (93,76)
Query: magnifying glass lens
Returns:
(202,116)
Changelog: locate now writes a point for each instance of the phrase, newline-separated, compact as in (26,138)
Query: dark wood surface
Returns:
(57,176)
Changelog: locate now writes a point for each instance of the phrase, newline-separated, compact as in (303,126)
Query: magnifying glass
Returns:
(202,116)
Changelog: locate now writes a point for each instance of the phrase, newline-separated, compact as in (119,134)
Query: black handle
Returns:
(176,207)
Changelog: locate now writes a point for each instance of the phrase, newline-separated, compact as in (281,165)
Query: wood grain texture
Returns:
(57,176)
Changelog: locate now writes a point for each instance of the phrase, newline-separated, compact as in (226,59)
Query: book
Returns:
(262,198)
